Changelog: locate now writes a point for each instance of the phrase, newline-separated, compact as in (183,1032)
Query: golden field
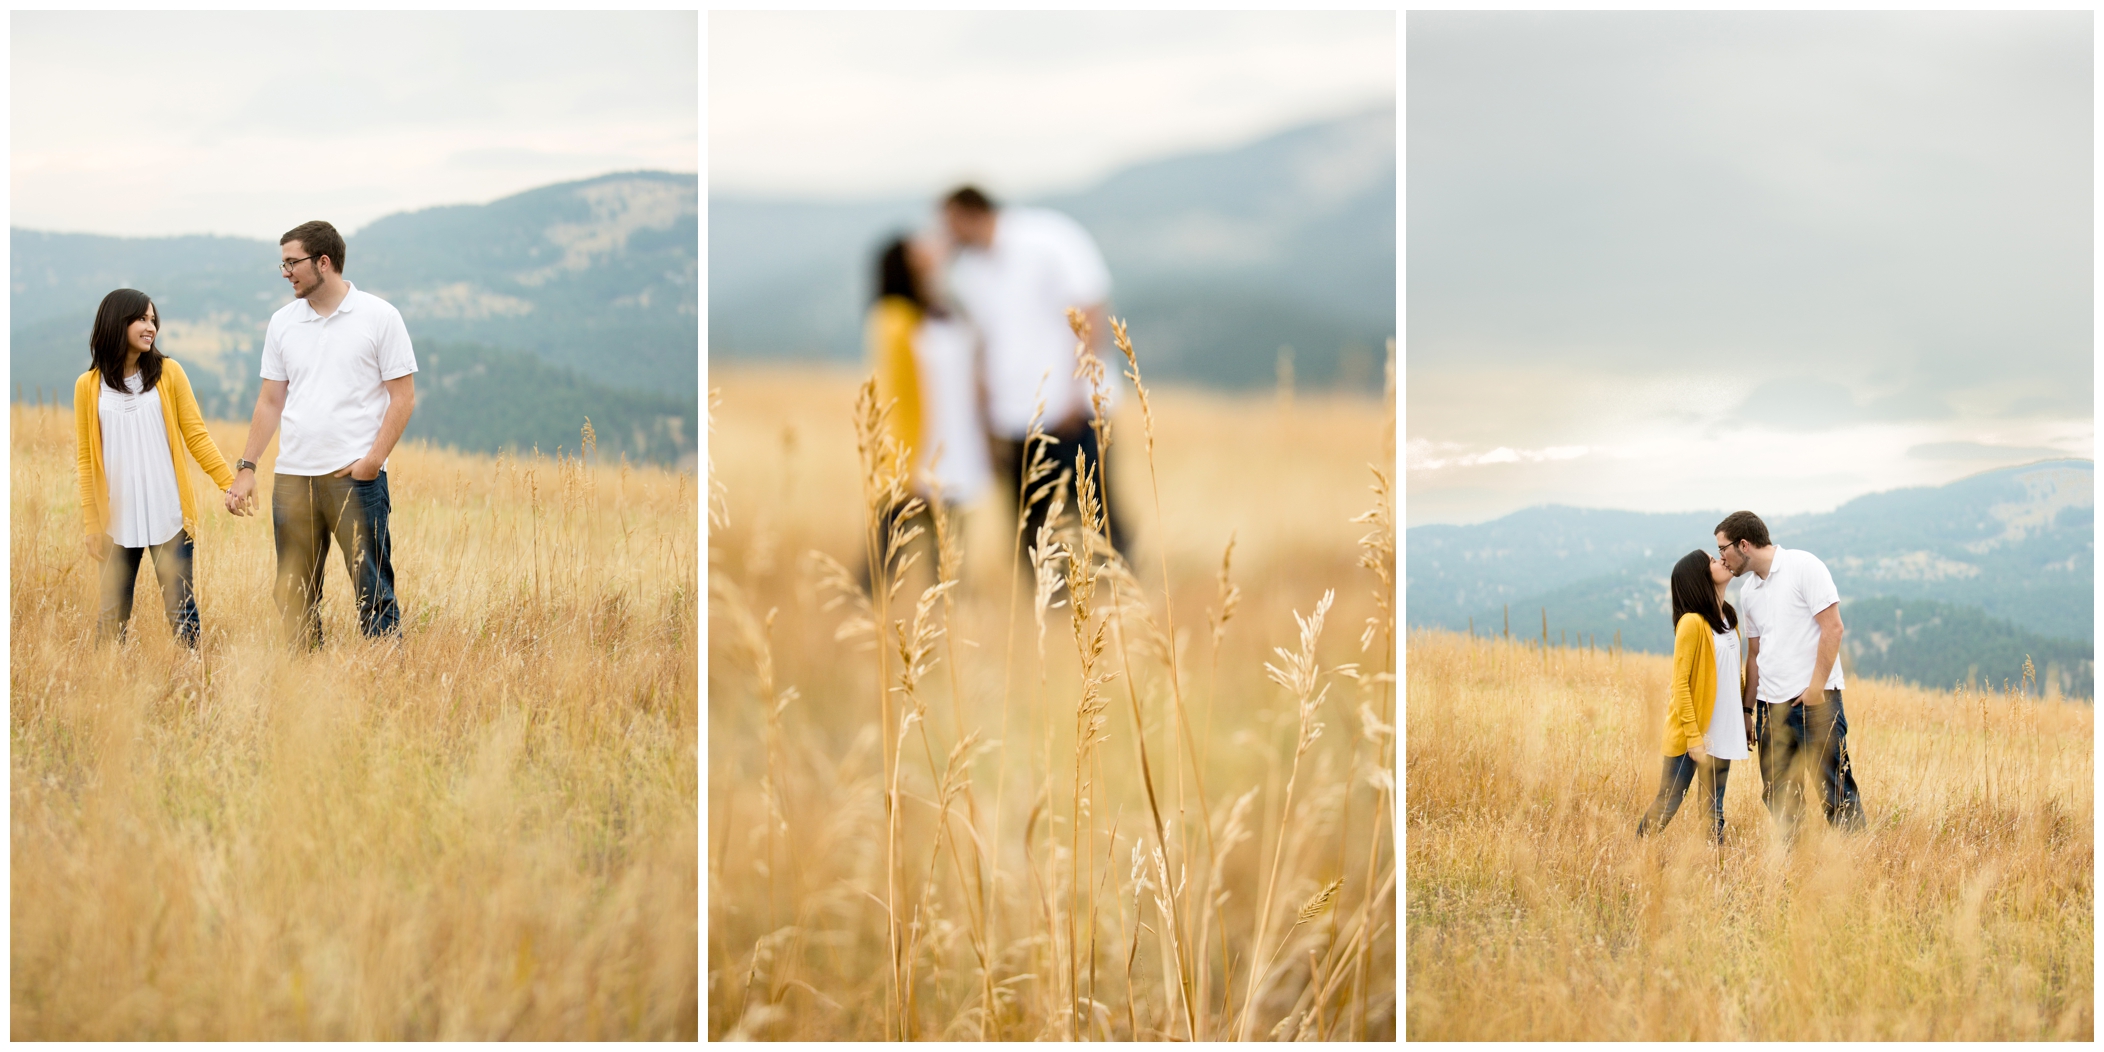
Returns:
(486,832)
(1037,876)
(1964,911)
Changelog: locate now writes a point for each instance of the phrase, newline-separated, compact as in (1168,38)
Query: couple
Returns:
(337,372)
(969,329)
(1793,641)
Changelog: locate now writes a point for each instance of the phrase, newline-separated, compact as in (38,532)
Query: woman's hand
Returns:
(98,546)
(1696,751)
(237,495)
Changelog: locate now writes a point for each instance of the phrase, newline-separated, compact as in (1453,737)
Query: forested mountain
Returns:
(595,282)
(474,397)
(1934,644)
(2008,554)
(1217,259)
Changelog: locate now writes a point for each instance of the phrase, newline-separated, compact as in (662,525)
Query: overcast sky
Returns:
(1672,261)
(853,105)
(248,123)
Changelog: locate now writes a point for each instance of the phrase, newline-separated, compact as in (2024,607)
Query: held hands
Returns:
(98,546)
(239,496)
(1697,752)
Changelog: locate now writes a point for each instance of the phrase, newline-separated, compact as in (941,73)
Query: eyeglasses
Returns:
(286,266)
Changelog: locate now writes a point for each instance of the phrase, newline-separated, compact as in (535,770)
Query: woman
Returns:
(924,363)
(1705,724)
(132,410)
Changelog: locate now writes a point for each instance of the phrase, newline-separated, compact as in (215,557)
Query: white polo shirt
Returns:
(1779,612)
(1017,292)
(333,368)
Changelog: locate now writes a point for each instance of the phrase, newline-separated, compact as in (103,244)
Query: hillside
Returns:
(477,398)
(1220,257)
(1963,911)
(2014,545)
(597,279)
(1937,645)
(801,703)
(484,830)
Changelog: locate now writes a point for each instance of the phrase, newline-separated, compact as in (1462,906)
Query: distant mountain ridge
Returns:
(2014,545)
(1217,259)
(598,279)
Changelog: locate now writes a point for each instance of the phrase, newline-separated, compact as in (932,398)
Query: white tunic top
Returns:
(1780,612)
(1017,291)
(953,441)
(1726,737)
(145,508)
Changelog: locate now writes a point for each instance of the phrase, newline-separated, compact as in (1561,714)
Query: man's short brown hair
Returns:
(319,239)
(1744,526)
(969,199)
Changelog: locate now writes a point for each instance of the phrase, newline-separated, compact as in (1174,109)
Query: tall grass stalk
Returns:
(1959,912)
(1301,675)
(1089,368)
(486,830)
(1105,890)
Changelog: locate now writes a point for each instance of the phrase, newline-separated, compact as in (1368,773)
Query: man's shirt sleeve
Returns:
(1816,584)
(397,357)
(1747,619)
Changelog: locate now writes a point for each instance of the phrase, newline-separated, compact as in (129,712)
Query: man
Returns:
(1016,274)
(1792,616)
(338,373)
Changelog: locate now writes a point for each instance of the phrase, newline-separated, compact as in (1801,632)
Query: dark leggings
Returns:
(172,560)
(1673,785)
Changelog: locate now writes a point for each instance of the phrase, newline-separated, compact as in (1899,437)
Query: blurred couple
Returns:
(968,330)
(1788,701)
(337,371)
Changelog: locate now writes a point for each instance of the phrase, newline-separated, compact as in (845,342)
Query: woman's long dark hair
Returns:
(895,277)
(1694,593)
(108,340)
(895,274)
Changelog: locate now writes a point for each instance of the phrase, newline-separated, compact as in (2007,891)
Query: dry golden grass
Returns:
(1963,912)
(1016,891)
(488,832)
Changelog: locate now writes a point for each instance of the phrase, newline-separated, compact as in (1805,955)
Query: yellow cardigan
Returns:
(890,337)
(1694,684)
(186,427)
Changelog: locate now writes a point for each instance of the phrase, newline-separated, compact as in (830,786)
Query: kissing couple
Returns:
(1786,690)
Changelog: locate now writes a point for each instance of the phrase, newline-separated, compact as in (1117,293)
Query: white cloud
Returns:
(852,104)
(1656,465)
(246,123)
(1757,259)
(1425,455)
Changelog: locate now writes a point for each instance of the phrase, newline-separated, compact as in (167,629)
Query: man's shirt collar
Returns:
(348,296)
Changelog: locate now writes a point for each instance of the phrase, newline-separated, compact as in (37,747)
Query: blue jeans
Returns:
(1787,748)
(173,561)
(306,511)
(1673,787)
